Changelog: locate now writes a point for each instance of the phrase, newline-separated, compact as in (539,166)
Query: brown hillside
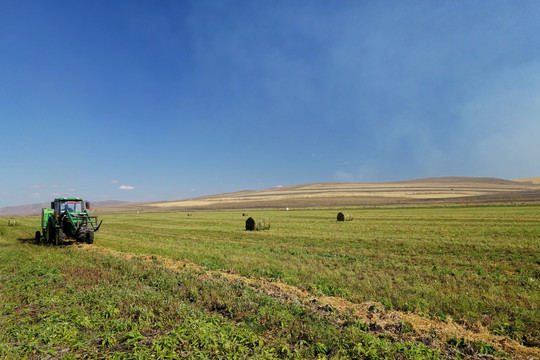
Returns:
(429,191)
(533,180)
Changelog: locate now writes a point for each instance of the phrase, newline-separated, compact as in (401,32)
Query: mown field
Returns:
(197,285)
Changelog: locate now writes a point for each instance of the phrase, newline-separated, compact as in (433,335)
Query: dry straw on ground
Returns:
(379,320)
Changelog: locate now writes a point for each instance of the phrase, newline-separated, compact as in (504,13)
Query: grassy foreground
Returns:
(479,266)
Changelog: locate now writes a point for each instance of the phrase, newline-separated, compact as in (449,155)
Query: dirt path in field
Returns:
(401,325)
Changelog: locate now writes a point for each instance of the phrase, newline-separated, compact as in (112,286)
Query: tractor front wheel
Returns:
(38,236)
(90,237)
(81,237)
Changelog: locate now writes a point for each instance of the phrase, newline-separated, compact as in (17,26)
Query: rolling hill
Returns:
(428,191)
(533,180)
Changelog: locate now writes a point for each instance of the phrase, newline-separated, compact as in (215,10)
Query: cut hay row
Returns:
(381,321)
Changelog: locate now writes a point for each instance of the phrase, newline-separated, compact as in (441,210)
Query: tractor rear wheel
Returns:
(90,237)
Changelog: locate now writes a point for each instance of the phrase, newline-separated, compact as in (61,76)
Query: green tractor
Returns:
(67,218)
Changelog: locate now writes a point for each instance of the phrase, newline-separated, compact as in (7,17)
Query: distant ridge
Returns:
(427,191)
(460,179)
(35,209)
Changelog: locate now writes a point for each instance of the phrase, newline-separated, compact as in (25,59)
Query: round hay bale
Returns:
(343,217)
(259,224)
(250,224)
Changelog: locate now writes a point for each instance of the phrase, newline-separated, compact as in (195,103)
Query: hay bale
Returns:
(343,217)
(13,222)
(250,224)
(260,224)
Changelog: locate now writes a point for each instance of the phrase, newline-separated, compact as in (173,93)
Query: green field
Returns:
(478,267)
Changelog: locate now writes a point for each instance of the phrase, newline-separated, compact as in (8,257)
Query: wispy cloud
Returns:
(126,187)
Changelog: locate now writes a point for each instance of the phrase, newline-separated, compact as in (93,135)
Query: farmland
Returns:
(427,282)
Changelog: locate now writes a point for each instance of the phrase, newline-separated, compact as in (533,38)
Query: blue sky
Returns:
(161,100)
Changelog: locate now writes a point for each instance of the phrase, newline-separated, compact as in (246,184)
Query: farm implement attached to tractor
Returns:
(67,218)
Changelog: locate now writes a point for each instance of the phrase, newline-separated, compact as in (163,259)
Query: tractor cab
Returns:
(73,205)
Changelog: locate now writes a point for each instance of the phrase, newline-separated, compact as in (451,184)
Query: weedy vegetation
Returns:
(477,266)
